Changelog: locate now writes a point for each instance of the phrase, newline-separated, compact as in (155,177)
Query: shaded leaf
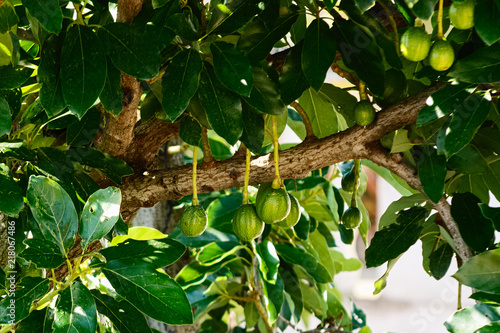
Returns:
(47,12)
(232,15)
(28,290)
(8,17)
(111,95)
(75,310)
(440,261)
(482,66)
(84,131)
(432,173)
(297,256)
(321,113)
(292,80)
(468,160)
(11,199)
(43,253)
(190,131)
(232,67)
(265,94)
(51,94)
(424,8)
(12,77)
(253,128)
(486,22)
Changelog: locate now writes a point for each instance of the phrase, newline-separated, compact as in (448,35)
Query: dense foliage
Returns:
(219,73)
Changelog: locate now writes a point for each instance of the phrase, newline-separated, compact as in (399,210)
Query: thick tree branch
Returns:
(148,189)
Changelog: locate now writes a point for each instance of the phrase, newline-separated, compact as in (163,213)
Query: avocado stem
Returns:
(277,179)
(362,91)
(195,163)
(247,175)
(440,21)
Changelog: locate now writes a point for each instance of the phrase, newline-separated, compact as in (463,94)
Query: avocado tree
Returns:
(91,91)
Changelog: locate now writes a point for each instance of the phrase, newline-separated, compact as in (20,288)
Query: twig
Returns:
(207,152)
(305,119)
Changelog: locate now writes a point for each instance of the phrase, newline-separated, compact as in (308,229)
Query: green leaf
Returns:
(153,293)
(486,297)
(190,131)
(486,21)
(53,211)
(8,17)
(402,203)
(323,253)
(468,160)
(432,173)
(75,310)
(268,261)
(43,253)
(443,102)
(321,113)
(214,253)
(220,212)
(465,122)
(28,290)
(440,261)
(474,184)
(297,256)
(292,80)
(251,314)
(47,12)
(124,316)
(257,40)
(129,52)
(12,77)
(113,167)
(184,25)
(363,5)
(424,8)
(490,328)
(493,213)
(232,67)
(34,323)
(361,54)
(180,82)
(275,297)
(482,66)
(11,199)
(195,273)
(318,52)
(265,95)
(84,131)
(100,214)
(489,138)
(232,15)
(253,128)
(7,48)
(393,240)
(481,272)
(159,3)
(83,69)
(476,230)
(302,227)
(472,318)
(492,179)
(292,286)
(111,95)
(222,106)
(49,75)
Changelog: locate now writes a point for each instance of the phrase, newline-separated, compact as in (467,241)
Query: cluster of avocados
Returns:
(416,43)
(273,204)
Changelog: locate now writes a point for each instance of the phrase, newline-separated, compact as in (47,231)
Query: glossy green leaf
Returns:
(472,318)
(253,128)
(27,291)
(363,5)
(83,69)
(265,95)
(323,253)
(393,240)
(476,230)
(84,131)
(465,122)
(443,102)
(113,167)
(292,287)
(43,253)
(12,77)
(257,39)
(486,23)
(221,211)
(47,12)
(190,131)
(474,184)
(424,8)
(321,113)
(111,95)
(129,52)
(232,15)
(124,316)
(75,310)
(493,213)
(99,215)
(361,54)
(223,107)
(159,3)
(214,253)
(318,52)
(275,297)
(482,66)
(486,297)
(297,256)
(8,17)
(180,82)
(51,94)
(34,323)
(342,100)
(440,261)
(11,199)
(195,273)
(432,173)
(184,25)
(302,227)
(490,328)
(232,68)
(390,215)
(292,80)
(468,160)
(53,211)
(268,261)
(153,293)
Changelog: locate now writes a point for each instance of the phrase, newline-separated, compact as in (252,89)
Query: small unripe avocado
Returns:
(415,44)
(273,205)
(246,223)
(351,218)
(348,181)
(294,215)
(194,221)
